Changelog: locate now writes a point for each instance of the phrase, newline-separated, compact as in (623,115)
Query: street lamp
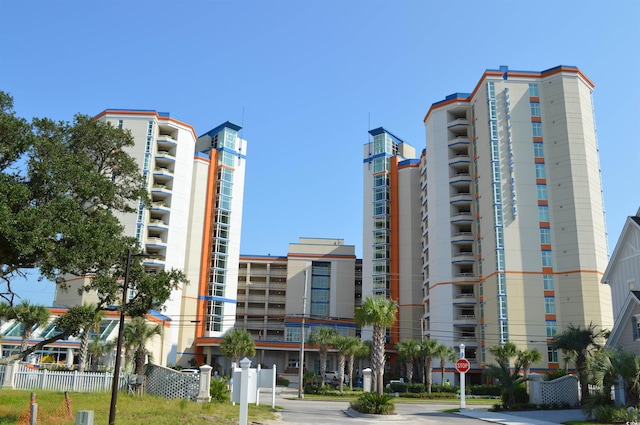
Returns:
(116,372)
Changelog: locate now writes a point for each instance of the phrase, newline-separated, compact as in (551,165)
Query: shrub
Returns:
(398,387)
(416,388)
(374,404)
(520,393)
(282,382)
(611,414)
(558,373)
(219,389)
(446,389)
(491,390)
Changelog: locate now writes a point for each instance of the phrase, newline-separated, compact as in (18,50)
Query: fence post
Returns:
(9,375)
(204,395)
(74,385)
(535,388)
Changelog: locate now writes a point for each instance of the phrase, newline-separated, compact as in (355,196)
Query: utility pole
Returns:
(301,363)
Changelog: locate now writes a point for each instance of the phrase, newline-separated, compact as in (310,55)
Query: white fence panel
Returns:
(28,379)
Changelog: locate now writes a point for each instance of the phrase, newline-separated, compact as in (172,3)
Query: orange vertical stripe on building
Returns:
(394,226)
(205,260)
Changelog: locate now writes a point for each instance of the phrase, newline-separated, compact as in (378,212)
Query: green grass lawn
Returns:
(131,410)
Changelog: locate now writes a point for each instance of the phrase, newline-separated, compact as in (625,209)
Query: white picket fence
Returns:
(29,379)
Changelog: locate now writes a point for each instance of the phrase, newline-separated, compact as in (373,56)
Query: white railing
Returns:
(29,379)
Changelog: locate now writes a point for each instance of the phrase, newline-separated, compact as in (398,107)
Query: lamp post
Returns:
(116,372)
(301,362)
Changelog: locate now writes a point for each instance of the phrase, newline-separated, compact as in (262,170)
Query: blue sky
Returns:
(308,79)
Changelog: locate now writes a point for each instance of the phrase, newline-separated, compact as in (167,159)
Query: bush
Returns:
(432,396)
(219,389)
(398,387)
(491,390)
(558,373)
(374,404)
(416,388)
(282,382)
(520,393)
(611,414)
(446,389)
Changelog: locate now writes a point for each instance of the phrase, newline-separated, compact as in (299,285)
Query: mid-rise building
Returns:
(514,239)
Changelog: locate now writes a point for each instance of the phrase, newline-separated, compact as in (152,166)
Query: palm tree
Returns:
(445,353)
(344,345)
(409,350)
(236,344)
(526,358)
(96,349)
(580,344)
(92,325)
(323,337)
(508,381)
(137,334)
(356,349)
(379,312)
(611,366)
(430,349)
(28,315)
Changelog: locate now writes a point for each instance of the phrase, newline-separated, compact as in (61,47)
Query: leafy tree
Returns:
(445,353)
(28,315)
(379,312)
(581,344)
(62,184)
(409,350)
(93,325)
(324,338)
(236,344)
(430,349)
(137,333)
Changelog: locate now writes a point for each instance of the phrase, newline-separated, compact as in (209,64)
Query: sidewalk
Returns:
(533,417)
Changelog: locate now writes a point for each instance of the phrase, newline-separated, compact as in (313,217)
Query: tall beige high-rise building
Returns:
(514,238)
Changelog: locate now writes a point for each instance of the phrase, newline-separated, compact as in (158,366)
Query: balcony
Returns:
(155,241)
(162,174)
(464,276)
(462,179)
(462,217)
(155,263)
(462,238)
(160,190)
(460,161)
(463,257)
(157,224)
(162,207)
(464,319)
(461,198)
(458,122)
(465,298)
(459,141)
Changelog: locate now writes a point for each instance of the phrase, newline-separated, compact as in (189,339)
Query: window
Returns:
(499,237)
(634,328)
(551,328)
(535,109)
(533,90)
(537,129)
(492,109)
(381,208)
(540,171)
(120,122)
(493,130)
(547,281)
(545,236)
(494,150)
(380,180)
(502,307)
(552,354)
(497,212)
(380,193)
(491,90)
(319,309)
(500,260)
(496,171)
(227,159)
(230,139)
(501,284)
(546,259)
(380,164)
(292,334)
(542,192)
(543,213)
(549,305)
(381,144)
(497,196)
(225,174)
(538,150)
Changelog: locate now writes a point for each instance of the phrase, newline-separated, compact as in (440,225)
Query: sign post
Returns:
(462,367)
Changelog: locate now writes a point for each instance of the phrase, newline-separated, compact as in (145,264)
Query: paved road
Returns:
(307,412)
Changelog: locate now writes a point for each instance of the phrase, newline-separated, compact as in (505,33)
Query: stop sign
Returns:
(463,365)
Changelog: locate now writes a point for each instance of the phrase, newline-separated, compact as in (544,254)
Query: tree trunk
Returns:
(26,336)
(377,357)
(351,360)
(341,361)
(429,373)
(442,366)
(409,372)
(82,355)
(323,366)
